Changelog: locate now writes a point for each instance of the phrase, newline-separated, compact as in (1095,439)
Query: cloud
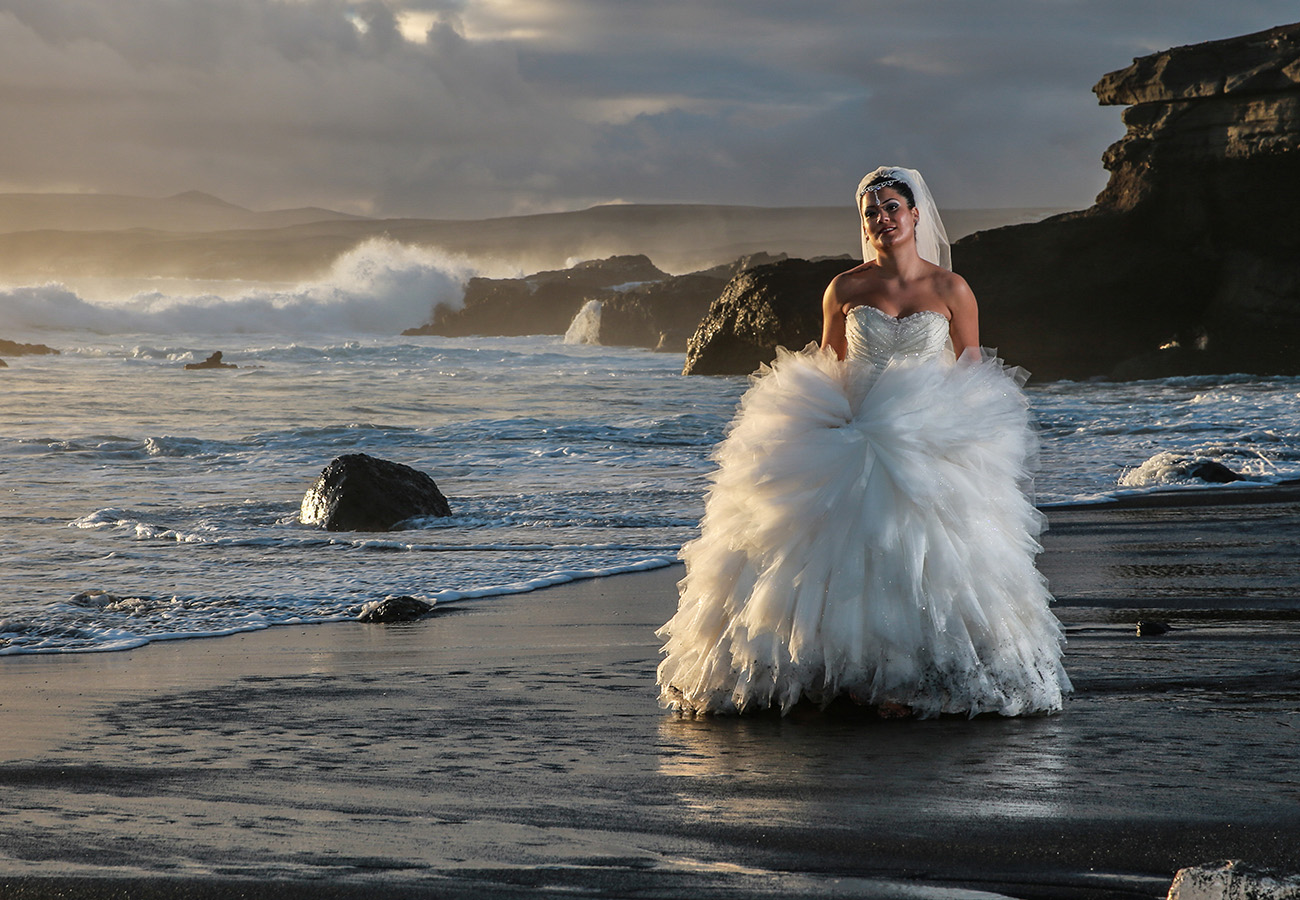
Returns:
(489,107)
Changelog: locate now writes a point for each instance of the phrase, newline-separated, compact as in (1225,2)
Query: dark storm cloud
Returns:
(483,107)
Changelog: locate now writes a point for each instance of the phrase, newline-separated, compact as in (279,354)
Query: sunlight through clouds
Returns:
(471,108)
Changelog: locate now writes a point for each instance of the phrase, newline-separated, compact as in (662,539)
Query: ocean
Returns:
(146,502)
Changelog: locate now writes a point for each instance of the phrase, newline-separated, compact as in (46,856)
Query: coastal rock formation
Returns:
(357,492)
(543,303)
(760,309)
(662,315)
(212,362)
(13,348)
(1188,263)
(641,306)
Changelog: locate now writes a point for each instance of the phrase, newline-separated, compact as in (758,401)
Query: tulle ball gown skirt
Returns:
(868,535)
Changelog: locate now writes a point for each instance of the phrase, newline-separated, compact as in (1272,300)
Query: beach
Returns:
(513,746)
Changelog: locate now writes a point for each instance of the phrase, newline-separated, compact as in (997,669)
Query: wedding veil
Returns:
(931,238)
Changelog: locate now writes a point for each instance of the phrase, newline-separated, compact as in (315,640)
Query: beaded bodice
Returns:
(876,337)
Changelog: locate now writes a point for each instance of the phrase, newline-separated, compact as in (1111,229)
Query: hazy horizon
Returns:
(79,240)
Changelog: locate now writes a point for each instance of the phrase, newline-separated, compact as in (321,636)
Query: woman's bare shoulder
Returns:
(954,291)
(848,288)
(949,282)
(851,279)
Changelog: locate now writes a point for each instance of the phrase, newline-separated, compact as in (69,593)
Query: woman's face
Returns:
(887,218)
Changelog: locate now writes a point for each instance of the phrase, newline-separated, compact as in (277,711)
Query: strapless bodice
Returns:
(876,337)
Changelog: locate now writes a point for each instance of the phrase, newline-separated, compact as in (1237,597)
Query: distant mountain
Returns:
(196,235)
(201,197)
(190,211)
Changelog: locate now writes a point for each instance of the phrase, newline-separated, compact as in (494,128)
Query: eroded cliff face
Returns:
(1201,106)
(1188,263)
(1192,245)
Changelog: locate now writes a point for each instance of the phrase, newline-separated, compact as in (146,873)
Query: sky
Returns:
(480,108)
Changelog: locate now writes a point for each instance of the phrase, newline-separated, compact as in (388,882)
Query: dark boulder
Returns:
(357,492)
(394,609)
(760,309)
(1213,472)
(212,362)
(1151,628)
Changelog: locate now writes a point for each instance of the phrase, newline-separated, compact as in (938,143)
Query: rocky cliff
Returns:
(1189,262)
(542,303)
(641,306)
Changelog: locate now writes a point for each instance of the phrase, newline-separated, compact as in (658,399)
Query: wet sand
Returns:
(513,747)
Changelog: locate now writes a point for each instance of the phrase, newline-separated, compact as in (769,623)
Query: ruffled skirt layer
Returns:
(868,534)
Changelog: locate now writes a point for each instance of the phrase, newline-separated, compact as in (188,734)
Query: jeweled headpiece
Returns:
(931,238)
(868,186)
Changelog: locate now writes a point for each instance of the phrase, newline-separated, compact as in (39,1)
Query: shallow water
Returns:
(174,494)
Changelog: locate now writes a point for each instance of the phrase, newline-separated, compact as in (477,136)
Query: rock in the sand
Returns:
(94,598)
(1150,628)
(1213,472)
(357,492)
(1233,880)
(394,609)
(1167,467)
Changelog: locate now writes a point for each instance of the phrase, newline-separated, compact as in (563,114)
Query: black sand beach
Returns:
(514,747)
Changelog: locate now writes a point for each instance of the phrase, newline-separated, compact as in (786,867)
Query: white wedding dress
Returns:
(868,534)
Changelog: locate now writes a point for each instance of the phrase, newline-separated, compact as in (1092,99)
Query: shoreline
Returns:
(513,746)
(1245,493)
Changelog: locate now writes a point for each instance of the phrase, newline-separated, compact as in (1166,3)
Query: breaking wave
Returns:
(378,287)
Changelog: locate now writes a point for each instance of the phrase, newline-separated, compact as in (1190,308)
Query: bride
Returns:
(868,532)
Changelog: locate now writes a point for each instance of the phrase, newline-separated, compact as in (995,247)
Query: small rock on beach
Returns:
(1233,880)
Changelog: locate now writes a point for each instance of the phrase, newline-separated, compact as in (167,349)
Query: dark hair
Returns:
(885,180)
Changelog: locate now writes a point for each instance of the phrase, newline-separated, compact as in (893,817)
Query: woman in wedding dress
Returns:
(868,533)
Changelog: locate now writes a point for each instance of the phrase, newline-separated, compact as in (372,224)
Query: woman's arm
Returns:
(964,321)
(833,320)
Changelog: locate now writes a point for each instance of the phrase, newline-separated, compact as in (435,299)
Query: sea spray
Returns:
(380,286)
(585,327)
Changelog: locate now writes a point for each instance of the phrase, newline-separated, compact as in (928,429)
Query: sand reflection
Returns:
(822,768)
